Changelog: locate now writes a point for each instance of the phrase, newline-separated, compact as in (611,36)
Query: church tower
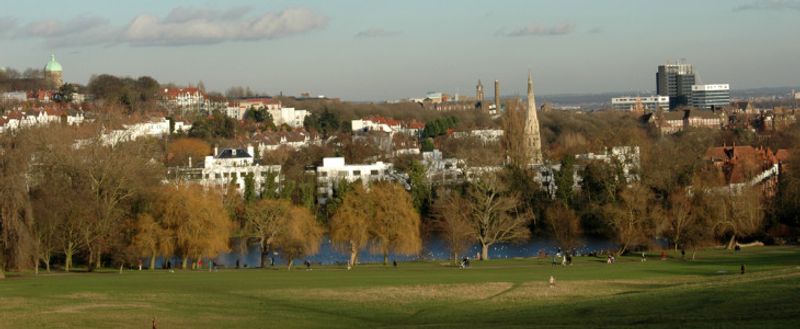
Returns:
(533,140)
(479,95)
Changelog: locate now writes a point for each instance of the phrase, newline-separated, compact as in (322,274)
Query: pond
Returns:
(433,249)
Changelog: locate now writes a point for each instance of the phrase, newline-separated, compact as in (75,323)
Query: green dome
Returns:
(52,66)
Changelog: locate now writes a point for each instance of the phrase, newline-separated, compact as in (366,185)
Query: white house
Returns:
(184,96)
(376,124)
(156,127)
(288,115)
(232,165)
(236,109)
(334,170)
(270,141)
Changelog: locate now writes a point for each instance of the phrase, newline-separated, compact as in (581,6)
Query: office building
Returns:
(711,96)
(675,81)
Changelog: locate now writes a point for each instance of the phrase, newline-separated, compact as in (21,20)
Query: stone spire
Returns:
(533,140)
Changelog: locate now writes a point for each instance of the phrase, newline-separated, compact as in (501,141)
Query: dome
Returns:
(52,65)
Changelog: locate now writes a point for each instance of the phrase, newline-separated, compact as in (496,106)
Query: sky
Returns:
(369,50)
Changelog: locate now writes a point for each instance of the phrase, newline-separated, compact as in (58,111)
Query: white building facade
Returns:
(335,170)
(649,103)
(232,165)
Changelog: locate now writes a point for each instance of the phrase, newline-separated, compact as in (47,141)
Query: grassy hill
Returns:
(706,293)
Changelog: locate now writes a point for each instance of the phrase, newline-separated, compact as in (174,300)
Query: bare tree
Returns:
(453,223)
(15,220)
(679,217)
(564,224)
(265,220)
(632,216)
(494,215)
(739,213)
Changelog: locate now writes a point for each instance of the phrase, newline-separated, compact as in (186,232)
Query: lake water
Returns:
(433,249)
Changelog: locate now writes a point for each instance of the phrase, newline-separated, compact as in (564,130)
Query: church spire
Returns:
(532,138)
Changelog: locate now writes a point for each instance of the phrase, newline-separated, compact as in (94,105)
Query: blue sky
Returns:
(373,49)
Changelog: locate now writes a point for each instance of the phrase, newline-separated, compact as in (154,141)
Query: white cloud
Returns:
(376,32)
(776,5)
(539,30)
(181,26)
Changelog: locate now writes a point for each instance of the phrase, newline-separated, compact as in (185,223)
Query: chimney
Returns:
(216,150)
(190,161)
(497,95)
(251,150)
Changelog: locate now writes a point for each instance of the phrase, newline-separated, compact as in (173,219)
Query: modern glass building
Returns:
(711,96)
(675,81)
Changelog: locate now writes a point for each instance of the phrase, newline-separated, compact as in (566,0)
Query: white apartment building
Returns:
(156,127)
(649,103)
(334,170)
(485,135)
(288,115)
(627,157)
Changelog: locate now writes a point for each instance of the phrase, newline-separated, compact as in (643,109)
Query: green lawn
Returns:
(706,293)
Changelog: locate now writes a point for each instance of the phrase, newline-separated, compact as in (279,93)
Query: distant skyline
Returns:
(383,50)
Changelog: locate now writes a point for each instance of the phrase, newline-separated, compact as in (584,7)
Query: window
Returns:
(373,172)
(225,175)
(217,176)
(323,174)
(357,172)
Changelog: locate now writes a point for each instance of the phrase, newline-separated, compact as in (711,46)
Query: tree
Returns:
(266,220)
(180,150)
(249,187)
(564,224)
(395,226)
(15,222)
(739,213)
(349,227)
(453,223)
(300,236)
(152,239)
(564,180)
(632,217)
(421,191)
(201,227)
(513,123)
(679,217)
(115,176)
(494,215)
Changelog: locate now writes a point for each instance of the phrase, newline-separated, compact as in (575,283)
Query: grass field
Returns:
(706,293)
